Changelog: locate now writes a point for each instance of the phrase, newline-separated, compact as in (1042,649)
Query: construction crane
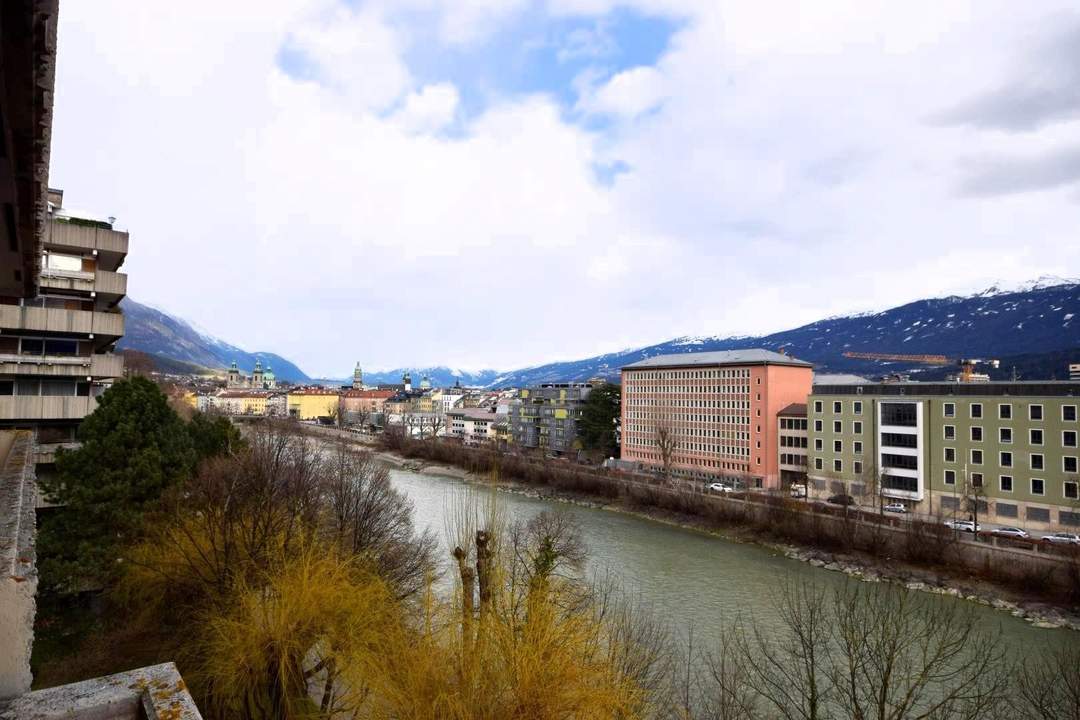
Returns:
(967,365)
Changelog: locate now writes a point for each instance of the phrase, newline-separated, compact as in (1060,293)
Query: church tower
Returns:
(407,381)
(358,378)
(425,383)
(269,379)
(257,375)
(234,376)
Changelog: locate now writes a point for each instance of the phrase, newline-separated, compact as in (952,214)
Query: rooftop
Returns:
(794,410)
(750,356)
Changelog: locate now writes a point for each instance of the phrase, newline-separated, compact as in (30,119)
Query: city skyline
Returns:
(699,164)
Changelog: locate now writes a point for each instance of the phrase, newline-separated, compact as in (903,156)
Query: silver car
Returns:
(1012,532)
(1062,538)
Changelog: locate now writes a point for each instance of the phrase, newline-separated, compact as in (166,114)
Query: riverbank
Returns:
(858,566)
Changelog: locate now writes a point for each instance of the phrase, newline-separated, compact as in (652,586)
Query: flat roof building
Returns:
(719,409)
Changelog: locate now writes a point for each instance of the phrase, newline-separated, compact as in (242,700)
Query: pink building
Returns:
(719,409)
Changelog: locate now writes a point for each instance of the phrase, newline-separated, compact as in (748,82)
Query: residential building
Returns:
(1074,372)
(546,416)
(792,444)
(472,426)
(313,403)
(717,412)
(366,404)
(248,402)
(939,448)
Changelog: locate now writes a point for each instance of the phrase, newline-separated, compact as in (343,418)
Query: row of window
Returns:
(1070,489)
(792,423)
(1036,461)
(688,374)
(975,410)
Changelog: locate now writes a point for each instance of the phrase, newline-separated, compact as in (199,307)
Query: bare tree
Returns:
(367,516)
(666,443)
(1048,685)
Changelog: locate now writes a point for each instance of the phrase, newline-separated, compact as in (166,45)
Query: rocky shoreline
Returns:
(1040,615)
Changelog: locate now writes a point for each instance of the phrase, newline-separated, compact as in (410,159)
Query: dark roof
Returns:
(794,410)
(749,356)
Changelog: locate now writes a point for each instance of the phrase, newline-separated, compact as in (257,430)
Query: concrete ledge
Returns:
(18,569)
(156,692)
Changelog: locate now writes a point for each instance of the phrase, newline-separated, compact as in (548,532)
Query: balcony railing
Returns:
(97,366)
(72,235)
(60,320)
(102,282)
(45,407)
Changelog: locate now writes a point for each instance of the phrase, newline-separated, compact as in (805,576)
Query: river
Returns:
(688,578)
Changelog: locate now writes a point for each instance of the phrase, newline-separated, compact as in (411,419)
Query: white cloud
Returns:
(781,164)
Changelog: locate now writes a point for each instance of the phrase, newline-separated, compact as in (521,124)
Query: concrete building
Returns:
(313,403)
(939,447)
(792,444)
(473,426)
(720,408)
(546,416)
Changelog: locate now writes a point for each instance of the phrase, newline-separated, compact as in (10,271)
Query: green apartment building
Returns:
(939,448)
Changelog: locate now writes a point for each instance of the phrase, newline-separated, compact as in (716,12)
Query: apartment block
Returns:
(313,403)
(939,448)
(56,345)
(792,444)
(472,426)
(721,410)
(545,416)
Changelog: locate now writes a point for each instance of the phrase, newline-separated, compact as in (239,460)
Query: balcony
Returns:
(45,407)
(96,366)
(110,246)
(103,282)
(60,320)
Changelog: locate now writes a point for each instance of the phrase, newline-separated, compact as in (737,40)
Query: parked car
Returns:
(963,525)
(798,491)
(1062,538)
(844,500)
(721,487)
(1011,532)
(895,508)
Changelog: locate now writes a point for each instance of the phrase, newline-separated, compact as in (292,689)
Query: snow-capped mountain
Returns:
(158,333)
(438,376)
(1041,317)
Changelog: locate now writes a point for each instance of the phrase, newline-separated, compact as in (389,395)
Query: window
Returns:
(857,407)
(1006,459)
(1036,436)
(976,410)
(976,457)
(1071,490)
(1068,413)
(1007,510)
(817,426)
(976,480)
(976,433)
(838,465)
(1038,487)
(1068,438)
(898,414)
(1005,411)
(837,426)
(858,467)
(856,427)
(1068,464)
(818,444)
(1037,514)
(949,409)
(1006,483)
(904,440)
(817,463)
(903,462)
(817,406)
(1005,435)
(69,263)
(838,446)
(857,447)
(950,477)
(837,406)
(1035,412)
(950,454)
(950,432)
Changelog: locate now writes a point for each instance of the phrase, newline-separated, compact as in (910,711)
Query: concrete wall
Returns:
(18,584)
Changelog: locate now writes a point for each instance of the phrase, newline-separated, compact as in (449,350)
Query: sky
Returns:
(502,183)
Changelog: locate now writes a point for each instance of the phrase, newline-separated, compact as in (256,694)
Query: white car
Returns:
(1062,538)
(721,487)
(1011,532)
(963,525)
(895,507)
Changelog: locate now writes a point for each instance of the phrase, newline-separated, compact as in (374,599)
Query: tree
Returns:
(133,448)
(599,419)
(213,435)
(1048,685)
(665,445)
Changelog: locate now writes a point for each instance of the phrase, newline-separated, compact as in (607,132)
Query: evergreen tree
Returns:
(211,436)
(133,447)
(599,414)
